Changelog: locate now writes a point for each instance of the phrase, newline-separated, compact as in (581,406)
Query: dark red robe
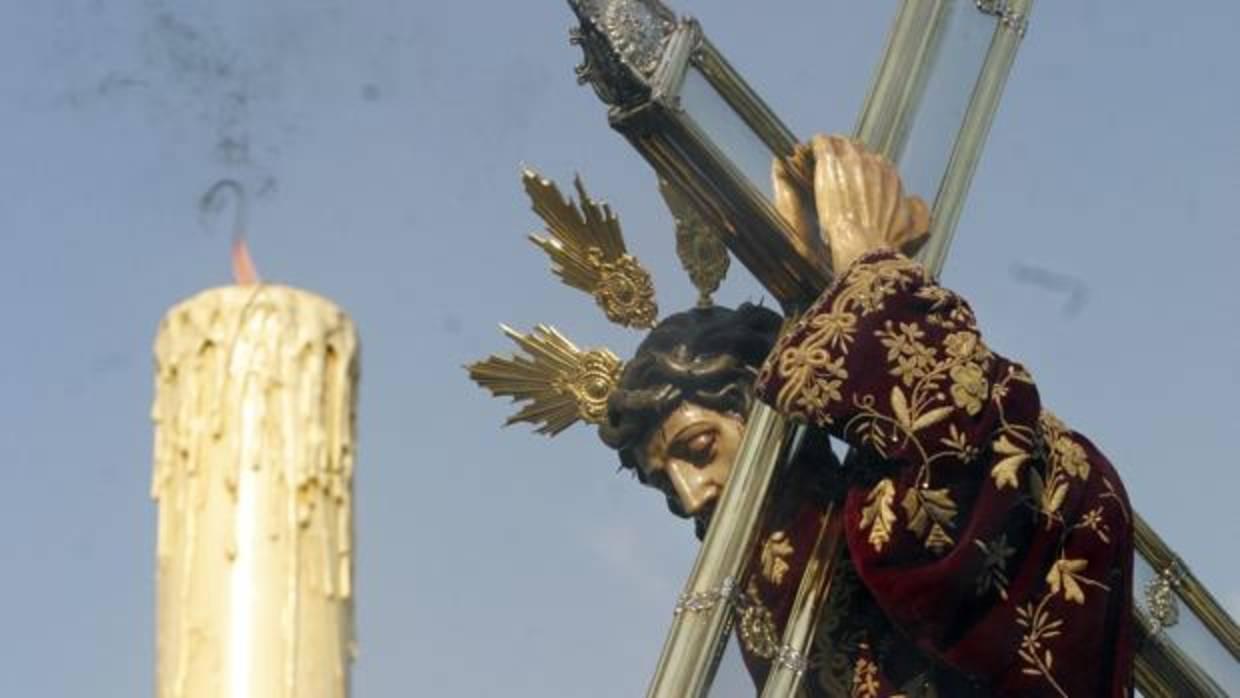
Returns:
(989,545)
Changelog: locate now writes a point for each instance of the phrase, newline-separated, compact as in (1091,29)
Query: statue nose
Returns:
(693,487)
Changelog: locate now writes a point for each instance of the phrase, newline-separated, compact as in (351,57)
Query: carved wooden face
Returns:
(690,455)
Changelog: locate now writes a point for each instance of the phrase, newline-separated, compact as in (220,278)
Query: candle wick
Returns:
(243,268)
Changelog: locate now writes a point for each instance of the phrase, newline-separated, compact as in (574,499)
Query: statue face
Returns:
(689,456)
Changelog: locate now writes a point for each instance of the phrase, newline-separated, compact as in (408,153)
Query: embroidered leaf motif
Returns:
(933,417)
(1036,485)
(1039,626)
(899,407)
(959,444)
(1053,498)
(1005,471)
(931,513)
(1065,575)
(994,566)
(877,515)
(938,540)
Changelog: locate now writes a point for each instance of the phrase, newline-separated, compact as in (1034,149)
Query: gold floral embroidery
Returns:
(1039,626)
(812,375)
(1065,452)
(1037,464)
(959,444)
(912,358)
(813,378)
(968,387)
(1006,470)
(962,345)
(1066,574)
(877,514)
(774,557)
(1065,459)
(865,679)
(1093,521)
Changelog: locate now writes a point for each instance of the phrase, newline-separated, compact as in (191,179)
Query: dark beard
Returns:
(701,520)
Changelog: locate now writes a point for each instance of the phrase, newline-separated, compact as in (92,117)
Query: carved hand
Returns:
(859,201)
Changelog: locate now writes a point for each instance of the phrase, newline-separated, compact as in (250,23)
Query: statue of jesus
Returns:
(989,546)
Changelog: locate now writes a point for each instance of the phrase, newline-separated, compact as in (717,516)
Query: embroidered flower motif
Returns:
(968,387)
(1071,456)
(912,359)
(961,345)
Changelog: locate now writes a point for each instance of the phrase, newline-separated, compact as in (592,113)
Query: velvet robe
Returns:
(989,546)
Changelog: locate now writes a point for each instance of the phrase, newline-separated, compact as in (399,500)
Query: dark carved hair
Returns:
(709,356)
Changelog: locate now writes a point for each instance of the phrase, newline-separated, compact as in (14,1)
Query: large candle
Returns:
(254,414)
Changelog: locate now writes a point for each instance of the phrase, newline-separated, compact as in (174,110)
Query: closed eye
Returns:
(696,444)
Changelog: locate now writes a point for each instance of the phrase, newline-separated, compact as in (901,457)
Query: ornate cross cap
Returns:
(623,43)
(560,383)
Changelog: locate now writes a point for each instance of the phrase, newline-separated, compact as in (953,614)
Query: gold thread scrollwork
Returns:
(587,252)
(561,383)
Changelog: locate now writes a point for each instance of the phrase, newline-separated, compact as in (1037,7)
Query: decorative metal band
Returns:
(1160,597)
(1009,18)
(700,601)
(792,659)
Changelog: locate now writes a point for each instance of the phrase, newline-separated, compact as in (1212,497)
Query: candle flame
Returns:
(244,271)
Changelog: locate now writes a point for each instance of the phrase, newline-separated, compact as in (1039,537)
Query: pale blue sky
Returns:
(382,140)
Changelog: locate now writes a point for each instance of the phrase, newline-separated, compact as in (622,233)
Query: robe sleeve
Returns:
(988,531)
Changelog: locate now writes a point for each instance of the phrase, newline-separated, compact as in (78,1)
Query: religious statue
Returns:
(989,546)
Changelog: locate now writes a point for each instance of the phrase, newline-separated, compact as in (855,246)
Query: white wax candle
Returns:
(254,412)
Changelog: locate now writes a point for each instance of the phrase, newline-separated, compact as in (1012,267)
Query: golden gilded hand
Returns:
(859,201)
